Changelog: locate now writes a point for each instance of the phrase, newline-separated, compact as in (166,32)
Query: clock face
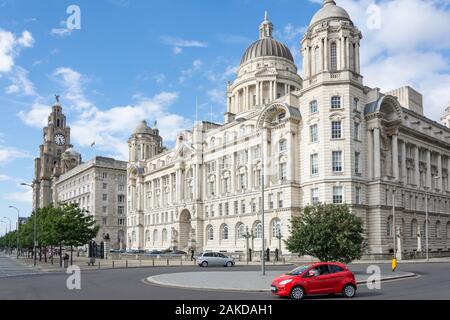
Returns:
(60,139)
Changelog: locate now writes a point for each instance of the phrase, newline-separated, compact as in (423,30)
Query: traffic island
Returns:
(252,281)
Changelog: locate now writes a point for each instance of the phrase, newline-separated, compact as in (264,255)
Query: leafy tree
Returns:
(328,232)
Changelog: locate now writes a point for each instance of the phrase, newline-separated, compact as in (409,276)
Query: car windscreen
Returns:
(298,270)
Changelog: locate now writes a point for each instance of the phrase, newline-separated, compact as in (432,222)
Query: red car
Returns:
(316,278)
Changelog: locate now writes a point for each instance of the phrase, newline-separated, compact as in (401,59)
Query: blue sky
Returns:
(134,60)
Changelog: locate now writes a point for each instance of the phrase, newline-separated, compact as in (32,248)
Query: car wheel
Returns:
(204,264)
(349,291)
(229,264)
(297,293)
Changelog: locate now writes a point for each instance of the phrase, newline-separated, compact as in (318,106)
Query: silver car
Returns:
(214,259)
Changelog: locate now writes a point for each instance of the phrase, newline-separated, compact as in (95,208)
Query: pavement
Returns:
(11,267)
(242,280)
(432,283)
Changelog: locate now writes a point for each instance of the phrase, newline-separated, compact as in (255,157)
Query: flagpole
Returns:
(196,111)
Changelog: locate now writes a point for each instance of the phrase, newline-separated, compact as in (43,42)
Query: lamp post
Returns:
(263,265)
(18,226)
(247,236)
(10,248)
(34,227)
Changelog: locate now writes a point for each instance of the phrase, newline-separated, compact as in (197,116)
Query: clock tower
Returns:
(56,136)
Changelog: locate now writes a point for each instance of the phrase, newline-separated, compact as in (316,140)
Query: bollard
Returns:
(126,263)
(113,264)
(167,261)
(153,262)
(181,261)
(99,264)
(284,260)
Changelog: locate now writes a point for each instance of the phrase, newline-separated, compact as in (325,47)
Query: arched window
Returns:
(241,231)
(389,226)
(258,230)
(147,236)
(413,228)
(224,232)
(438,230)
(212,142)
(333,57)
(155,236)
(210,233)
(276,228)
(164,235)
(317,60)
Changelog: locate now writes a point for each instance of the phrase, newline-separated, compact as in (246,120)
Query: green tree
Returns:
(328,232)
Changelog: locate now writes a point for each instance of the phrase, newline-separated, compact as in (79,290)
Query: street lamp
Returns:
(9,244)
(18,226)
(426,218)
(10,249)
(34,227)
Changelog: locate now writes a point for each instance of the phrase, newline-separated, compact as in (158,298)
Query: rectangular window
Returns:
(314,164)
(280,199)
(105,197)
(313,106)
(337,161)
(227,209)
(283,172)
(121,210)
(104,208)
(358,199)
(333,56)
(335,102)
(120,198)
(243,206)
(356,131)
(220,209)
(270,201)
(337,195)
(253,205)
(104,175)
(315,196)
(313,133)
(357,162)
(283,145)
(336,132)
(206,211)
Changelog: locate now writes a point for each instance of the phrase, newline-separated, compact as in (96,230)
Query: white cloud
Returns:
(218,96)
(37,116)
(61,32)
(10,46)
(4,177)
(188,73)
(24,196)
(73,85)
(20,83)
(8,154)
(178,44)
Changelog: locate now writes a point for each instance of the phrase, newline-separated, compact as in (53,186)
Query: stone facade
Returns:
(323,138)
(98,186)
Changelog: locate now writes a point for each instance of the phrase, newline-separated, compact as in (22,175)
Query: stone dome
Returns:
(142,127)
(330,10)
(267,47)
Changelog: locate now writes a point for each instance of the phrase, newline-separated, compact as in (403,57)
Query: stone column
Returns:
(250,169)
(266,158)
(342,50)
(271,91)
(257,93)
(428,181)
(178,185)
(233,173)
(325,54)
(404,171)
(348,48)
(439,181)
(377,153)
(357,58)
(448,174)
(416,166)
(370,154)
(395,157)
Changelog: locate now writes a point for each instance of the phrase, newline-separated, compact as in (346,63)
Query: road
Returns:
(433,283)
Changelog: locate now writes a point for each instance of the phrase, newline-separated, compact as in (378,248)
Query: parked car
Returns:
(153,252)
(177,252)
(316,278)
(214,259)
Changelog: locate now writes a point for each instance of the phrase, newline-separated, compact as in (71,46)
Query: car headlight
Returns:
(285,282)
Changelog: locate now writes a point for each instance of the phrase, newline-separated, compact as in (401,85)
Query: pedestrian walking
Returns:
(277,252)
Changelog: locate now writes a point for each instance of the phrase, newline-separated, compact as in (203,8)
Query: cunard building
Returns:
(325,137)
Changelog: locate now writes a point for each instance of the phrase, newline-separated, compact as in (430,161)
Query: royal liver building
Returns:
(323,138)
